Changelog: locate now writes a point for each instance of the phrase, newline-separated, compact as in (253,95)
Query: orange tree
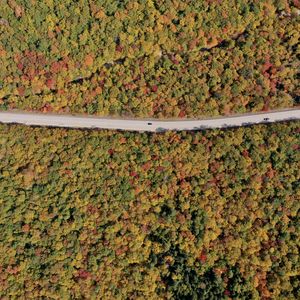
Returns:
(170,58)
(120,215)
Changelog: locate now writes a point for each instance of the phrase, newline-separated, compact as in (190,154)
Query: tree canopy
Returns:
(170,58)
(121,215)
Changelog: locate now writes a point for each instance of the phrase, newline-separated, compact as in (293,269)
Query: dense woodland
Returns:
(158,58)
(120,215)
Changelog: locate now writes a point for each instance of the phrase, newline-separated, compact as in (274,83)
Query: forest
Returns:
(149,58)
(120,215)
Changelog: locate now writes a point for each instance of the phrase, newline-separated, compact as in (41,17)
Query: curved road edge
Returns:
(152,125)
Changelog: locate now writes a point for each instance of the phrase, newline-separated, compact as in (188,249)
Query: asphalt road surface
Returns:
(153,125)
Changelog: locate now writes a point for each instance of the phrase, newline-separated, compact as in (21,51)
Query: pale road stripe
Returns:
(85,121)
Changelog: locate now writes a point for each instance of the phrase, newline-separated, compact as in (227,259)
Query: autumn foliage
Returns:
(162,58)
(121,215)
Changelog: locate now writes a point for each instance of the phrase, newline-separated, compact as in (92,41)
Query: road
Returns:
(153,125)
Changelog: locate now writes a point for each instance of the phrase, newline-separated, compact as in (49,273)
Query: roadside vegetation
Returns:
(121,215)
(149,58)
